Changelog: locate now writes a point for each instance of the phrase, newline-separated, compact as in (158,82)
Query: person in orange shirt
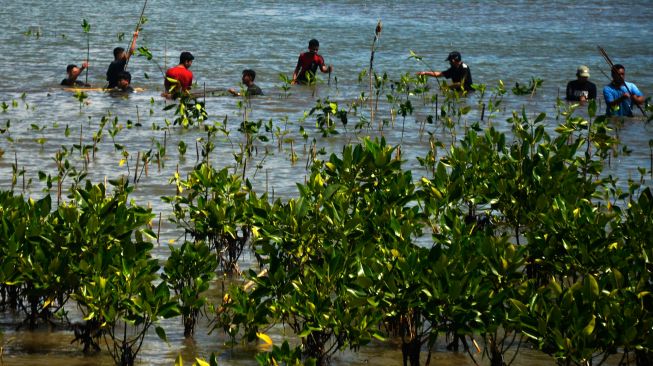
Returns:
(179,78)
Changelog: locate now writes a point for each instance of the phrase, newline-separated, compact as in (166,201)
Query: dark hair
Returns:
(186,56)
(125,75)
(313,43)
(615,71)
(251,73)
(117,51)
(70,67)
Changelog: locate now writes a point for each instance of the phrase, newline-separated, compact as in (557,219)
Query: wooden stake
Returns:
(138,159)
(158,231)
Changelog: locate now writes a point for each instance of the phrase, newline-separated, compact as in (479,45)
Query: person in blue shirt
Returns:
(620,95)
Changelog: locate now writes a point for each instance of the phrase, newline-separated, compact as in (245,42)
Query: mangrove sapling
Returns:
(97,136)
(188,272)
(533,85)
(325,112)
(86,27)
(630,283)
(188,111)
(144,51)
(115,268)
(420,59)
(286,85)
(372,74)
(214,209)
(39,129)
(325,289)
(42,279)
(182,148)
(284,355)
(81,98)
(495,101)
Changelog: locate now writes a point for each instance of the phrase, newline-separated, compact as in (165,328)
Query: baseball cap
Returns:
(583,71)
(455,55)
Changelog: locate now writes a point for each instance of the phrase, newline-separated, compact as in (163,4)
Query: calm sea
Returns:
(511,41)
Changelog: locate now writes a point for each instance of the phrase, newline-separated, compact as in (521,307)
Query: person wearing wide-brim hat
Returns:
(458,72)
(581,89)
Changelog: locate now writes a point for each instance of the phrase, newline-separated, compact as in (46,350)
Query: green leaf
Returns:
(161,333)
(589,328)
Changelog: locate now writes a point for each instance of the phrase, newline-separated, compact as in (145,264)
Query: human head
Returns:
(73,71)
(124,79)
(454,58)
(455,55)
(249,74)
(186,58)
(618,73)
(118,53)
(313,45)
(583,72)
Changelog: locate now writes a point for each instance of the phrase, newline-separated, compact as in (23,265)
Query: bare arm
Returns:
(295,73)
(325,68)
(637,99)
(132,47)
(435,74)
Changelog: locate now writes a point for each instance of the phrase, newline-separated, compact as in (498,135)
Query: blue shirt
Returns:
(625,108)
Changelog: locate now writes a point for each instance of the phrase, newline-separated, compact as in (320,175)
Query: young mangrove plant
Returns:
(188,273)
(214,209)
(116,291)
(323,280)
(188,111)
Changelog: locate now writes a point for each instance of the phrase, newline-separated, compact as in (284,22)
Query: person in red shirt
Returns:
(179,78)
(308,63)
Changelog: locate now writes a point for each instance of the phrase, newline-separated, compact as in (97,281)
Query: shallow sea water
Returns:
(511,41)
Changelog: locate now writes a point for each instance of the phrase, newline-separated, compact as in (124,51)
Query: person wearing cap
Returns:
(119,63)
(179,78)
(620,95)
(581,89)
(308,63)
(458,72)
(73,73)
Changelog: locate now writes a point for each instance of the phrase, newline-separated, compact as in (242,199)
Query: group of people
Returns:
(118,78)
(620,95)
(179,79)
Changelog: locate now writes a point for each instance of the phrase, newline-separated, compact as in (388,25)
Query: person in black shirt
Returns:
(248,80)
(458,72)
(120,58)
(581,89)
(73,72)
(124,83)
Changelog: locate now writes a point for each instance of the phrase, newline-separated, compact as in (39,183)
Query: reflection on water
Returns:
(500,41)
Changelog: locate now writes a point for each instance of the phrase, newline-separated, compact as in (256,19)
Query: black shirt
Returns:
(114,70)
(458,74)
(577,88)
(68,82)
(253,90)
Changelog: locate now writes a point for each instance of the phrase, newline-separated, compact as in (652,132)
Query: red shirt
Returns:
(181,74)
(308,61)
